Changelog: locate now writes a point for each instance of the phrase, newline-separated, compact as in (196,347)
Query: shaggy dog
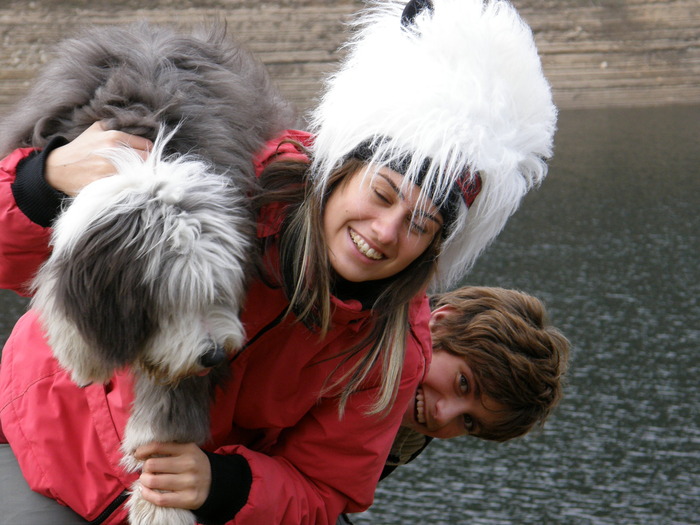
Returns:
(148,267)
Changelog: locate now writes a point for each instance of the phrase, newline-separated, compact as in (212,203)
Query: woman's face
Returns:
(449,403)
(374,228)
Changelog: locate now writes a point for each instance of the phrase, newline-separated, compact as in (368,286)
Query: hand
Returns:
(174,474)
(72,167)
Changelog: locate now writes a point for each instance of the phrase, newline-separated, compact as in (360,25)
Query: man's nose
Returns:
(448,409)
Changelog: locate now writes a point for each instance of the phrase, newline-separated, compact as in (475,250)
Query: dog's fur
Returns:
(149,267)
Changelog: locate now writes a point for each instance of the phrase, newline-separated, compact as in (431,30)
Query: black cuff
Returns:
(33,195)
(231,479)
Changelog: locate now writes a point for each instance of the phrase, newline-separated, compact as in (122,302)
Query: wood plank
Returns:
(595,53)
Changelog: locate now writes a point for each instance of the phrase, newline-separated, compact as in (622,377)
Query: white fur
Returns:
(193,318)
(463,87)
(69,348)
(144,513)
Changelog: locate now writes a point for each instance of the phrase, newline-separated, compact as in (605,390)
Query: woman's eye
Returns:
(415,227)
(463,384)
(381,196)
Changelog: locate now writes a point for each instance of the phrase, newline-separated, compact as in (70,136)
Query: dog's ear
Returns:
(102,293)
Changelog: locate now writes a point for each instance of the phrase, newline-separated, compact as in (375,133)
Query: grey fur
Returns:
(141,76)
(156,276)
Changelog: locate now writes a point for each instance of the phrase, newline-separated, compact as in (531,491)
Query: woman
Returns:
(397,191)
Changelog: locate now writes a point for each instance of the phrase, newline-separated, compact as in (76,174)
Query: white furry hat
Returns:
(452,92)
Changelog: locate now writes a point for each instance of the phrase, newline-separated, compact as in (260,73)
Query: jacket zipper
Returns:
(269,326)
(118,501)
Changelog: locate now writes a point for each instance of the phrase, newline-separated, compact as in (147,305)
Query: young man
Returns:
(497,371)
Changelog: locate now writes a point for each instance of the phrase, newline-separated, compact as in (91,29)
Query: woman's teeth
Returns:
(420,406)
(364,247)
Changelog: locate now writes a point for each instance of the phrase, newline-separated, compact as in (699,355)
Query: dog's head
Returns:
(150,268)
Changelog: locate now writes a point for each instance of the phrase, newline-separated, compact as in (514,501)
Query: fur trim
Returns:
(463,86)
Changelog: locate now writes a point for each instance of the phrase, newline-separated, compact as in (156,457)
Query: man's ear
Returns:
(437,316)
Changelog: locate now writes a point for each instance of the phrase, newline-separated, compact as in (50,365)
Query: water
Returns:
(12,306)
(610,244)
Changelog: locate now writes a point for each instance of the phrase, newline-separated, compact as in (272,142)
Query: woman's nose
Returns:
(387,227)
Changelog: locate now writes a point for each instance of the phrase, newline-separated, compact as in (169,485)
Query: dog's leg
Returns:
(165,413)
(141,512)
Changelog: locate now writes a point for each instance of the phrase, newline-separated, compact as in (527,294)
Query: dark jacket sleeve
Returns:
(231,479)
(33,195)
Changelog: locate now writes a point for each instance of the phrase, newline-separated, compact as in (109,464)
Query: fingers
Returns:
(157,449)
(168,482)
(170,464)
(96,137)
(174,474)
(178,499)
(140,144)
(72,167)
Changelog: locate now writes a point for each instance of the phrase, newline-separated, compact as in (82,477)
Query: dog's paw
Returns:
(141,512)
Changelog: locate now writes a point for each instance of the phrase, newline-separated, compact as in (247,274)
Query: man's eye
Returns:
(463,384)
(468,423)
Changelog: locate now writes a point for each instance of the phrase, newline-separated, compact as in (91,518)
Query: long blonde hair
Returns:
(306,275)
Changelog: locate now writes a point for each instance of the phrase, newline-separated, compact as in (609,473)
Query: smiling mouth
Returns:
(420,406)
(364,248)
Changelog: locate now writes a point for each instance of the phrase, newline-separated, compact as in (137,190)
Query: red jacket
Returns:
(307,464)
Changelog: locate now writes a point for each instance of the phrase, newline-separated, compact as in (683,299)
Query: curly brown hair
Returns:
(518,358)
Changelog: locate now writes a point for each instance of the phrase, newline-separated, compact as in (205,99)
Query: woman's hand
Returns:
(72,167)
(174,475)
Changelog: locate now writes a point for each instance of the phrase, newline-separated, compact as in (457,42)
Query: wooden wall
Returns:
(595,52)
(618,52)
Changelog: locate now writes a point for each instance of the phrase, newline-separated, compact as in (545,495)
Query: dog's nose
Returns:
(214,356)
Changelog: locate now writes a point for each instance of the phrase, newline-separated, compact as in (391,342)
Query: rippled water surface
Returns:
(610,243)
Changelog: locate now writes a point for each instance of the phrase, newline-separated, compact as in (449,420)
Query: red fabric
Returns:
(307,465)
(24,245)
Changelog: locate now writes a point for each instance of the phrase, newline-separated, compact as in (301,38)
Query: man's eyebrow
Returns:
(477,387)
(478,426)
(401,195)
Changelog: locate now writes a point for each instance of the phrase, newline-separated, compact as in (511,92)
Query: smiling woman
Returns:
(396,189)
(375,230)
